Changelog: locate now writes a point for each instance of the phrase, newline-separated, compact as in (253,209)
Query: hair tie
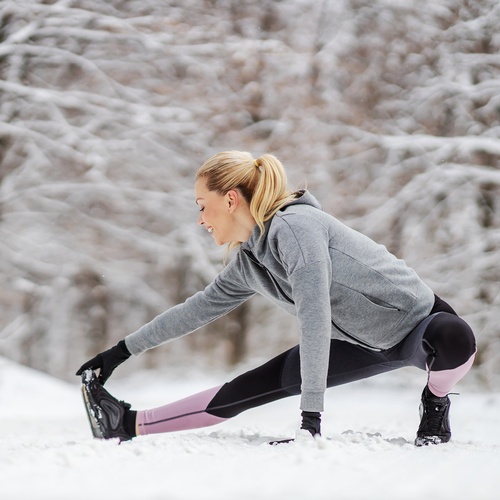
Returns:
(256,163)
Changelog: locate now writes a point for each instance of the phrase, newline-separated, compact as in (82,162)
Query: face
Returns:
(216,213)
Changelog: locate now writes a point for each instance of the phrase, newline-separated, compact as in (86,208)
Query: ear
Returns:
(233,200)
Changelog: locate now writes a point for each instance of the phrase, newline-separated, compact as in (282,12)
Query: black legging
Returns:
(442,341)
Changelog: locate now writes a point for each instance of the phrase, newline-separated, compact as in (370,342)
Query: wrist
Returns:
(124,349)
(311,421)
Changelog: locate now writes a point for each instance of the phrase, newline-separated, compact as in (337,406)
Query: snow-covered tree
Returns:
(387,110)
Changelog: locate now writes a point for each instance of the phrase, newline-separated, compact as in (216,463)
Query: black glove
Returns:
(311,421)
(107,361)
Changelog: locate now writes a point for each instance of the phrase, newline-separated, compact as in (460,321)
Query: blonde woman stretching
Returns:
(361,311)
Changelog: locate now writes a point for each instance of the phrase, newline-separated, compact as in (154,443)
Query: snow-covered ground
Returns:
(47,452)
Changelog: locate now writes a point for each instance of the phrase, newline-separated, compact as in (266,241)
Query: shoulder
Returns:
(300,220)
(300,235)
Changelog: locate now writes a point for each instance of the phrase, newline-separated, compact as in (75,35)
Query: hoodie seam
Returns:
(304,264)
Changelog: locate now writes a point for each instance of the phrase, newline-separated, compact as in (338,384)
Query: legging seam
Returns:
(228,405)
(144,424)
(220,407)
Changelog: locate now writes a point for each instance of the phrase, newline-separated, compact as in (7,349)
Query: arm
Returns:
(302,246)
(225,293)
(310,286)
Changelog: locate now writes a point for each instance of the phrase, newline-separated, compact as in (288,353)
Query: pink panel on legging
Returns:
(442,382)
(187,413)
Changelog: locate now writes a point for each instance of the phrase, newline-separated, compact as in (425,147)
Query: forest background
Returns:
(387,110)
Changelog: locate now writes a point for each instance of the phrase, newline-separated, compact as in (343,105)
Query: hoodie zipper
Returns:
(252,257)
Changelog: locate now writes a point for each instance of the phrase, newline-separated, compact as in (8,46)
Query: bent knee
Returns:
(452,341)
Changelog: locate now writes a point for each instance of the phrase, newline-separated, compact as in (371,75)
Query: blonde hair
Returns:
(262,182)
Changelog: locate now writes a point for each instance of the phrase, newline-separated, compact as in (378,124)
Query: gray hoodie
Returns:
(339,283)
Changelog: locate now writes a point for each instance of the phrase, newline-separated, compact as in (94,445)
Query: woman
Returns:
(361,311)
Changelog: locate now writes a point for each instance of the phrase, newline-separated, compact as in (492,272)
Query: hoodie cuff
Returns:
(312,401)
(130,348)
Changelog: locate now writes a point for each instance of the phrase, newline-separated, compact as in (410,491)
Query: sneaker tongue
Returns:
(435,417)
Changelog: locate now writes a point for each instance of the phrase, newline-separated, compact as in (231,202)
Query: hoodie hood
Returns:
(304,198)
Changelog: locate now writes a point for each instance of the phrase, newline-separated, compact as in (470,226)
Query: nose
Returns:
(200,219)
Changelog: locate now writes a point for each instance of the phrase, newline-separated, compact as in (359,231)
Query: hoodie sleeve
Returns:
(303,251)
(225,293)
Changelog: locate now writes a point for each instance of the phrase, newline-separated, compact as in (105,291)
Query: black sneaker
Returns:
(105,412)
(434,419)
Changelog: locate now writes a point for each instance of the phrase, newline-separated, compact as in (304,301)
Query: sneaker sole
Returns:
(430,440)
(93,421)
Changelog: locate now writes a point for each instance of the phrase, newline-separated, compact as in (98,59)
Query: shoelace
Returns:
(435,414)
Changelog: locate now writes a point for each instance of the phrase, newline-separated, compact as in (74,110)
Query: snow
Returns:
(47,452)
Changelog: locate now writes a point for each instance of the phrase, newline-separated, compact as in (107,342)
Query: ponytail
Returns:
(270,193)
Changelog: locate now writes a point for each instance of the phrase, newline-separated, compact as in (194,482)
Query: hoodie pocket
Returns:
(369,321)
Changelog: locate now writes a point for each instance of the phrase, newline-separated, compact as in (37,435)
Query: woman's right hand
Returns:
(107,361)
(311,421)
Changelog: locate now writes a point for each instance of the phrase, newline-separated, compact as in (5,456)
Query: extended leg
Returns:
(276,379)
(254,388)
